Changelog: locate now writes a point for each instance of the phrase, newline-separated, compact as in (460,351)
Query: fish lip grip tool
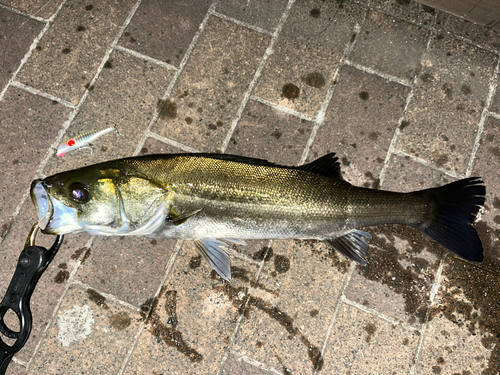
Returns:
(33,261)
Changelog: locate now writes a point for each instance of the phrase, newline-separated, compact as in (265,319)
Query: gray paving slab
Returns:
(36,8)
(14,44)
(407,10)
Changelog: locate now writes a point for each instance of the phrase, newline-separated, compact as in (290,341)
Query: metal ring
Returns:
(30,241)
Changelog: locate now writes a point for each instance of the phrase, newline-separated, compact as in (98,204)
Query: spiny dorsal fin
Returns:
(327,165)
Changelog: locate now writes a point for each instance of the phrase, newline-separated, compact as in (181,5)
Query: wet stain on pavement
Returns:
(61,277)
(290,91)
(195,262)
(120,321)
(364,95)
(370,330)
(281,263)
(285,369)
(97,298)
(167,109)
(315,79)
(315,13)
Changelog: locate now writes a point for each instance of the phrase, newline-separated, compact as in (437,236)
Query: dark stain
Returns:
(281,263)
(66,50)
(276,134)
(353,145)
(496,202)
(375,182)
(167,109)
(195,262)
(108,64)
(428,9)
(315,13)
(466,90)
(259,344)
(406,342)
(77,254)
(148,306)
(153,241)
(345,161)
(380,160)
(281,317)
(448,54)
(219,123)
(374,136)
(471,301)
(364,95)
(89,7)
(439,36)
(98,299)
(80,28)
(244,275)
(188,120)
(265,253)
(403,2)
(370,328)
(61,277)
(353,37)
(120,321)
(496,219)
(314,313)
(490,137)
(290,91)
(183,94)
(436,369)
(15,161)
(441,160)
(200,110)
(427,78)
(144,150)
(472,74)
(413,282)
(448,90)
(169,333)
(212,126)
(315,79)
(38,48)
(63,266)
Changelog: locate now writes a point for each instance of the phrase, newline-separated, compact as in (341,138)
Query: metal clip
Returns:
(33,261)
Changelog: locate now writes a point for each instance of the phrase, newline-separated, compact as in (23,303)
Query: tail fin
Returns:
(458,204)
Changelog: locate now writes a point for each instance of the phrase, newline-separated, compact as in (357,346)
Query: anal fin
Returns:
(210,250)
(352,245)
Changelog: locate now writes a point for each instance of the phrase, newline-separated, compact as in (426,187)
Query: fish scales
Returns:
(207,197)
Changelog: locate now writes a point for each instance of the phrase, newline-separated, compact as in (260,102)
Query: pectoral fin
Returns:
(217,258)
(352,245)
(177,219)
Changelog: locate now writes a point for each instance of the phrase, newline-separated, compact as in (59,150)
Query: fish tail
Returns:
(457,206)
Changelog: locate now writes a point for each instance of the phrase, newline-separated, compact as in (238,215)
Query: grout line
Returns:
(329,330)
(432,296)
(243,24)
(320,117)
(150,134)
(30,17)
(19,361)
(235,253)
(177,74)
(145,57)
(281,108)
(392,147)
(257,75)
(168,268)
(426,163)
(388,77)
(232,338)
(69,282)
(493,114)
(255,363)
(34,91)
(484,114)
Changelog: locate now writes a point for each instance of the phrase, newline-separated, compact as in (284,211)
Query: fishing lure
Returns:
(82,140)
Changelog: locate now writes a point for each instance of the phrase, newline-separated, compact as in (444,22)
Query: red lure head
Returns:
(71,142)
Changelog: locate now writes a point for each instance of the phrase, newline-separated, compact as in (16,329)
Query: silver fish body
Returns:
(206,197)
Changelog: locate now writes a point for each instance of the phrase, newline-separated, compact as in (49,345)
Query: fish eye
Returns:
(79,192)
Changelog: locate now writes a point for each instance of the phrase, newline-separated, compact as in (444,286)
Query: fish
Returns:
(82,140)
(213,199)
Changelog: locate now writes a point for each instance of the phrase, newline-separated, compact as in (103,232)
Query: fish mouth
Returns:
(54,217)
(42,202)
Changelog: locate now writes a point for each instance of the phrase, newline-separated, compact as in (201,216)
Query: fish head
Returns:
(77,201)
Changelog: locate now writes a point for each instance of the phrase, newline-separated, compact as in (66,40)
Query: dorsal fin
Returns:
(327,165)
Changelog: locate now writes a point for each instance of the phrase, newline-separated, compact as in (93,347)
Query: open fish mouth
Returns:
(42,203)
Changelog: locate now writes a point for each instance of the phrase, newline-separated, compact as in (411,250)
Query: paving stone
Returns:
(189,328)
(442,119)
(89,334)
(486,165)
(364,344)
(130,268)
(14,44)
(52,283)
(29,125)
(495,103)
(212,85)
(463,333)
(15,369)
(261,13)
(37,8)
(68,55)
(153,146)
(125,96)
(390,46)
(408,10)
(289,311)
(164,30)
(270,134)
(307,54)
(235,365)
(359,124)
(479,34)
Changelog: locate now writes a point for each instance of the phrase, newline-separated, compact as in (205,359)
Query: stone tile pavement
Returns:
(405,95)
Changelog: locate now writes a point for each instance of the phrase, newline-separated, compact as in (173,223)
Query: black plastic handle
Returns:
(32,262)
